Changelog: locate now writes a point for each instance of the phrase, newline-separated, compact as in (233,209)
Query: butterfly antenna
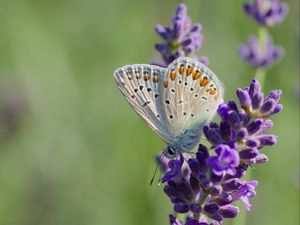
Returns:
(152,179)
(156,168)
(184,158)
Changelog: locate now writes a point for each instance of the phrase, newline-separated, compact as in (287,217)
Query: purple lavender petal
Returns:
(277,109)
(267,140)
(257,100)
(275,95)
(231,185)
(181,37)
(211,208)
(268,13)
(244,97)
(254,88)
(255,126)
(181,207)
(268,106)
(229,211)
(260,55)
(252,142)
(248,153)
(242,133)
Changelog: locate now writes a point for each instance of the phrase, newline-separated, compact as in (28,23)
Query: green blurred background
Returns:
(71,149)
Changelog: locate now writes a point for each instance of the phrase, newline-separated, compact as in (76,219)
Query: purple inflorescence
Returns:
(267,12)
(182,38)
(260,53)
(205,186)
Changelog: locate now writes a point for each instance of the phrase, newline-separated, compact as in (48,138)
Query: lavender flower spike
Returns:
(182,38)
(267,12)
(204,186)
(260,55)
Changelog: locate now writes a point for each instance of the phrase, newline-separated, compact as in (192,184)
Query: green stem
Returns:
(196,216)
(262,40)
(260,75)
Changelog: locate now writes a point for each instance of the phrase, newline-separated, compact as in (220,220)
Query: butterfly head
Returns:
(170,152)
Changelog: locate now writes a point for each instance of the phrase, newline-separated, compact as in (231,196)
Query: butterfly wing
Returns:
(141,86)
(191,95)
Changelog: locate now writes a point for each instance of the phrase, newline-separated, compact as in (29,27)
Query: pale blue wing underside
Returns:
(175,102)
(191,95)
(141,86)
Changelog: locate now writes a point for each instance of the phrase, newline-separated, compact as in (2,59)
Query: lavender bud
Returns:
(214,125)
(243,97)
(211,208)
(231,185)
(161,47)
(267,125)
(255,126)
(248,153)
(216,216)
(223,110)
(225,130)
(181,207)
(233,119)
(161,30)
(216,190)
(252,142)
(257,100)
(212,135)
(260,159)
(233,106)
(268,106)
(229,211)
(202,153)
(277,109)
(170,191)
(254,88)
(216,178)
(242,133)
(275,95)
(195,208)
(223,199)
(268,140)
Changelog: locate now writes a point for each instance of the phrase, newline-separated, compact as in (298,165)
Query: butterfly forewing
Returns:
(141,86)
(191,95)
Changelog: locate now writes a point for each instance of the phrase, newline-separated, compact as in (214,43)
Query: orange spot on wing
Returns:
(180,70)
(146,77)
(196,74)
(211,91)
(188,71)
(172,75)
(203,81)
(165,83)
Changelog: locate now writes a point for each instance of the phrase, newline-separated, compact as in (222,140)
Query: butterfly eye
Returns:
(170,152)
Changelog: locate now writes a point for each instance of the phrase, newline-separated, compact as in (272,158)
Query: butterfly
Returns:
(176,102)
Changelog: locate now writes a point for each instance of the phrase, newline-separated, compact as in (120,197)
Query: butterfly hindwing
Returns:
(141,86)
(191,95)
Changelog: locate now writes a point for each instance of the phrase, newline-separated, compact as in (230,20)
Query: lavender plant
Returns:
(204,187)
(182,38)
(260,52)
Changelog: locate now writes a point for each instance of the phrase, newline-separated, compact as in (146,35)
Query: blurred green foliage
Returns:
(71,149)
